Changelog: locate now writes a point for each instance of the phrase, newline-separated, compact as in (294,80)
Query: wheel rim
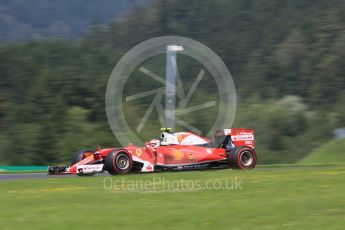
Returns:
(247,158)
(122,161)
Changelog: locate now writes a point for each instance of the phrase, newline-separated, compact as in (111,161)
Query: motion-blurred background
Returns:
(287,59)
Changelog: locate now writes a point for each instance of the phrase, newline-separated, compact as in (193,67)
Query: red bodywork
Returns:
(185,150)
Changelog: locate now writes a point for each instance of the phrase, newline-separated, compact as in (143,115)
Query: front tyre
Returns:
(119,162)
(78,156)
(242,157)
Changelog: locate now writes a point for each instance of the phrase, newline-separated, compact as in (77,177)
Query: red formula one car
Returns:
(232,148)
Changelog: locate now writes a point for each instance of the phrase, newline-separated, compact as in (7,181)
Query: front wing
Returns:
(76,169)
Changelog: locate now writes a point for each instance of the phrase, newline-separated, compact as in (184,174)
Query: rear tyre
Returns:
(78,156)
(118,162)
(242,157)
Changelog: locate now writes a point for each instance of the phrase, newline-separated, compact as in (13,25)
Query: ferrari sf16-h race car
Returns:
(230,148)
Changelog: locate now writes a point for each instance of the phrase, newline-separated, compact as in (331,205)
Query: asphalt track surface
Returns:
(4,177)
(38,176)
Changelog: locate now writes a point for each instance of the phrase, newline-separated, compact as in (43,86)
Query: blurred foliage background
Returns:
(287,59)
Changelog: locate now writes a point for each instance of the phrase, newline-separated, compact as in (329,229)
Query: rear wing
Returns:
(241,136)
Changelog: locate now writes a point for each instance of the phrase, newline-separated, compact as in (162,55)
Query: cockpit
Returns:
(182,138)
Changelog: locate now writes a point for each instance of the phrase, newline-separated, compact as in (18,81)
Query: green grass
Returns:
(332,152)
(270,198)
